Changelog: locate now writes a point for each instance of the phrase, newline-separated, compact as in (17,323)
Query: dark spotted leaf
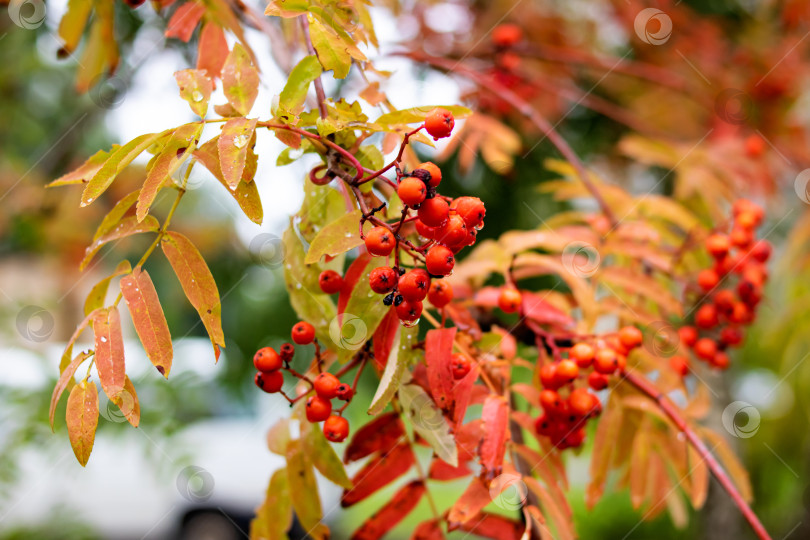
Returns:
(147,316)
(109,344)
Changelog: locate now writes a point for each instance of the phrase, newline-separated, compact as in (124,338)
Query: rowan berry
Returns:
(679,364)
(551,402)
(471,209)
(707,279)
(731,336)
(720,360)
(597,381)
(345,392)
(434,171)
(453,232)
(318,409)
(434,212)
(567,371)
(548,376)
(705,348)
(266,360)
(271,382)
(506,35)
(380,241)
(740,313)
(439,123)
(509,300)
(606,361)
(424,231)
(303,333)
(582,354)
(761,250)
(706,317)
(724,300)
(336,428)
(414,285)
(440,293)
(440,261)
(286,351)
(409,311)
(631,337)
(460,366)
(581,402)
(330,282)
(326,385)
(744,205)
(718,245)
(383,279)
(412,191)
(741,238)
(543,425)
(688,335)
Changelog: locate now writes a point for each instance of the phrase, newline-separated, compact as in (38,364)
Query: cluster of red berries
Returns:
(731,289)
(270,365)
(564,417)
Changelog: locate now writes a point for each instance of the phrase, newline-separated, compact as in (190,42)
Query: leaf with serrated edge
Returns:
(379,435)
(197,282)
(428,422)
(98,294)
(332,51)
(240,80)
(335,238)
(395,367)
(64,379)
(81,418)
(274,516)
(147,315)
(109,344)
(233,145)
(304,491)
(322,455)
(126,227)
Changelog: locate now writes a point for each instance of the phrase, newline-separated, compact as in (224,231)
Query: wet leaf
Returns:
(88,170)
(126,227)
(127,403)
(233,145)
(428,422)
(212,49)
(115,215)
(360,310)
(147,316)
(332,50)
(82,419)
(98,294)
(240,80)
(335,238)
(195,87)
(109,346)
(496,419)
(438,351)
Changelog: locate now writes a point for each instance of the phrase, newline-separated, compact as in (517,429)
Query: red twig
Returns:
(648,388)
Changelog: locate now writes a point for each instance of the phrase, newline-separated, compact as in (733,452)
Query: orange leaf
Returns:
(148,318)
(195,88)
(184,21)
(240,80)
(109,350)
(387,517)
(496,418)
(377,473)
(441,470)
(234,141)
(469,505)
(428,530)
(197,282)
(438,350)
(379,435)
(82,419)
(494,526)
(462,394)
(64,379)
(212,50)
(126,227)
(383,338)
(127,402)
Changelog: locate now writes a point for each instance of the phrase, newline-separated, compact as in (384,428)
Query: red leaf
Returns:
(538,309)
(184,21)
(350,279)
(384,338)
(377,473)
(469,505)
(468,438)
(438,350)
(495,416)
(494,526)
(428,530)
(441,470)
(379,435)
(464,320)
(462,393)
(109,351)
(147,315)
(212,50)
(387,517)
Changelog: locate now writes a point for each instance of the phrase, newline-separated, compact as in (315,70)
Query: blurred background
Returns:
(198,464)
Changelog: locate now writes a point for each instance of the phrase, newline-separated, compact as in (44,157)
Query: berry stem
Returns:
(649,389)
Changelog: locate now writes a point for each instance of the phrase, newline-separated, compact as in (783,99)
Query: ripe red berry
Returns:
(543,425)
(720,360)
(606,361)
(724,300)
(754,146)
(731,336)
(551,402)
(439,123)
(509,300)
(413,286)
(471,209)
(382,280)
(506,35)
(286,351)
(548,376)
(412,191)
(679,364)
(597,381)
(741,238)
(434,212)
(440,293)
(581,402)
(440,261)
(345,392)
(745,206)
(409,311)
(303,333)
(718,245)
(424,231)
(567,371)
(706,317)
(460,366)
(761,251)
(330,282)
(380,241)
(318,409)
(434,171)
(705,348)
(688,335)
(707,279)
(270,382)
(582,354)
(266,360)
(453,232)
(336,428)
(631,337)
(326,385)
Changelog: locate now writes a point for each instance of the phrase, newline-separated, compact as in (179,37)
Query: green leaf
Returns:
(398,360)
(274,516)
(322,204)
(418,114)
(98,293)
(278,437)
(234,142)
(118,211)
(286,8)
(304,491)
(147,315)
(294,94)
(370,156)
(195,87)
(338,237)
(116,163)
(323,456)
(332,50)
(82,419)
(428,422)
(240,80)
(72,25)
(126,227)
(197,282)
(365,305)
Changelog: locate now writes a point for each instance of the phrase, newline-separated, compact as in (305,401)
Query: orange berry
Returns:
(440,293)
(597,381)
(434,212)
(271,382)
(330,282)
(688,335)
(326,385)
(583,354)
(707,279)
(318,409)
(581,402)
(267,360)
(705,348)
(439,123)
(412,191)
(631,337)
(336,428)
(434,171)
(567,371)
(679,364)
(380,241)
(506,35)
(509,300)
(606,361)
(303,333)
(706,316)
(439,261)
(718,245)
